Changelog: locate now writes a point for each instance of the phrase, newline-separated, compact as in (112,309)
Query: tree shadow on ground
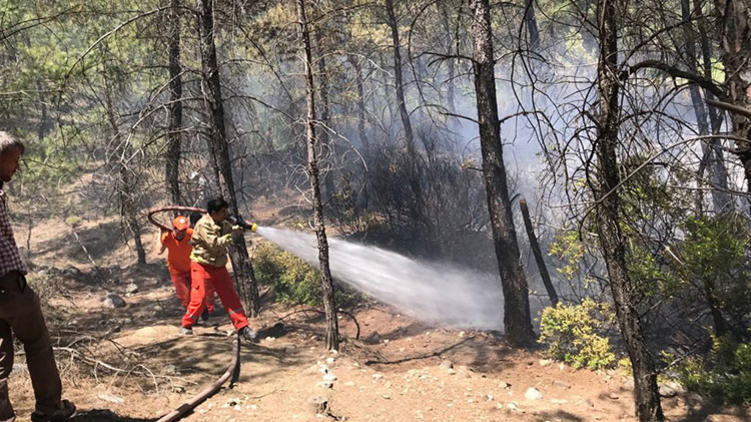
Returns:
(699,411)
(479,352)
(105,415)
(559,415)
(100,240)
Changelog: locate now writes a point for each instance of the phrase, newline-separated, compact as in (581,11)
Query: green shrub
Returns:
(725,375)
(572,334)
(294,281)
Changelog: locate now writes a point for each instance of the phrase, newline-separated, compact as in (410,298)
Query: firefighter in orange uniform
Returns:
(177,244)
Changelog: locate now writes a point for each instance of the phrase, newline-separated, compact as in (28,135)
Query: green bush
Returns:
(294,281)
(572,334)
(725,375)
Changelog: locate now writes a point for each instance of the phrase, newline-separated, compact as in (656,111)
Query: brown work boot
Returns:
(63,413)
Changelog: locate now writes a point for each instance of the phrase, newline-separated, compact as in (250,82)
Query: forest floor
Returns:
(131,364)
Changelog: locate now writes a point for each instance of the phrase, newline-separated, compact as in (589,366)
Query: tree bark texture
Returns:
(611,240)
(323,135)
(517,321)
(175,108)
(735,24)
(327,284)
(245,280)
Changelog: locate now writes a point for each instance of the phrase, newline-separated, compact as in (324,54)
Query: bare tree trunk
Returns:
(716,169)
(531,22)
(611,239)
(175,118)
(720,174)
(245,280)
(329,304)
(125,186)
(361,111)
(451,71)
(517,320)
(535,246)
(735,23)
(399,84)
(416,206)
(323,135)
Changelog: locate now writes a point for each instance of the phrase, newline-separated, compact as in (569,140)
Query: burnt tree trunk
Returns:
(415,207)
(535,246)
(329,304)
(361,110)
(245,279)
(175,113)
(401,104)
(608,217)
(516,319)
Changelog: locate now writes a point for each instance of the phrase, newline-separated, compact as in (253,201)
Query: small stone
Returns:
(499,406)
(386,396)
(559,401)
(326,384)
(329,377)
(323,369)
(561,366)
(561,384)
(113,301)
(533,394)
(489,397)
(377,376)
(349,384)
(254,406)
(545,362)
(613,396)
(461,334)
(671,389)
(131,288)
(111,398)
(320,404)
(446,364)
(330,360)
(512,406)
(504,384)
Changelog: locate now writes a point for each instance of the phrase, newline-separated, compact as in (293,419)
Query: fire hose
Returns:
(232,373)
(238,220)
(233,370)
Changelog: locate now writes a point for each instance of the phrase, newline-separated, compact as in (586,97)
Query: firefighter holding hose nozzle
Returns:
(212,235)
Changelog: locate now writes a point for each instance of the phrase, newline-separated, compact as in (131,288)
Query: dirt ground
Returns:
(131,364)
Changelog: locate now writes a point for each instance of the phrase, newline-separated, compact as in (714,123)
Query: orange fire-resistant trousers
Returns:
(220,279)
(181,281)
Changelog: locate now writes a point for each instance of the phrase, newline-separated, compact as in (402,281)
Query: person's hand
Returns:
(236,228)
(226,239)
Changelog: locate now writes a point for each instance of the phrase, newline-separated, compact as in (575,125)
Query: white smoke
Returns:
(434,293)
